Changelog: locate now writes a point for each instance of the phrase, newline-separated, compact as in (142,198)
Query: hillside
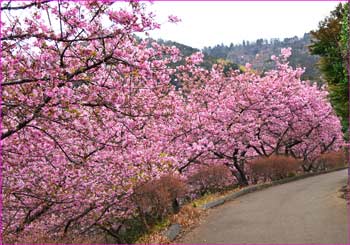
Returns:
(258,53)
(209,59)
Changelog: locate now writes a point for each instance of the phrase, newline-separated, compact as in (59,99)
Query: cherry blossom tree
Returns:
(234,118)
(81,98)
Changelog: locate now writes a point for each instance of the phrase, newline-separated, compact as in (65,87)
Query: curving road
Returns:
(304,211)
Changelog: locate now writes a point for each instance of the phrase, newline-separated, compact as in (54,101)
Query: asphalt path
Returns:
(306,211)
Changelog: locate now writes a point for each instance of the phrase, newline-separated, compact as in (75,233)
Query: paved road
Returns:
(304,211)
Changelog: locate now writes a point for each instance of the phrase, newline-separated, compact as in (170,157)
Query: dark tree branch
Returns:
(36,4)
(26,122)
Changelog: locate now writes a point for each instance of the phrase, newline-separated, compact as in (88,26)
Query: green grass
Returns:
(208,197)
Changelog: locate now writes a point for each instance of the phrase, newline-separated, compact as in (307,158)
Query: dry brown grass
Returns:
(187,217)
(153,238)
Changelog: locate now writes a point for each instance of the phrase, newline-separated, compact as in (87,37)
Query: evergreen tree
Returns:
(330,41)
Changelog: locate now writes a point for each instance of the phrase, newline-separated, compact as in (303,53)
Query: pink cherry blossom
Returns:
(173,19)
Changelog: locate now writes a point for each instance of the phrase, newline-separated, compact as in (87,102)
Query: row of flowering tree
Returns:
(89,112)
(238,116)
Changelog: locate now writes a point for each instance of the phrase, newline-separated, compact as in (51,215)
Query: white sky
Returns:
(207,23)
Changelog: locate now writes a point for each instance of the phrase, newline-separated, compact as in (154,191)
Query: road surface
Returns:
(305,211)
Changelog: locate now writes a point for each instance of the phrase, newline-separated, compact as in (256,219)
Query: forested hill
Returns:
(258,53)
(208,60)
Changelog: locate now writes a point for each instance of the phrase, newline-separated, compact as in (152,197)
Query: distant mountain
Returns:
(259,53)
(208,60)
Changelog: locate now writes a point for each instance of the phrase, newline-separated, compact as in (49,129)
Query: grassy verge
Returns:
(209,197)
(187,218)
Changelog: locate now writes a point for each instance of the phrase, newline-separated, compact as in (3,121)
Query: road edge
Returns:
(255,188)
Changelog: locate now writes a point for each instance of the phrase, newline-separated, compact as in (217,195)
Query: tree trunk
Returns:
(240,175)
(175,206)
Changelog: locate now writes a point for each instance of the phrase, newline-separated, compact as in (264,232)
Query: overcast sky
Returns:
(207,23)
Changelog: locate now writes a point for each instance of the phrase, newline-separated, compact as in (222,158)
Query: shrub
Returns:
(157,198)
(331,160)
(274,167)
(210,179)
